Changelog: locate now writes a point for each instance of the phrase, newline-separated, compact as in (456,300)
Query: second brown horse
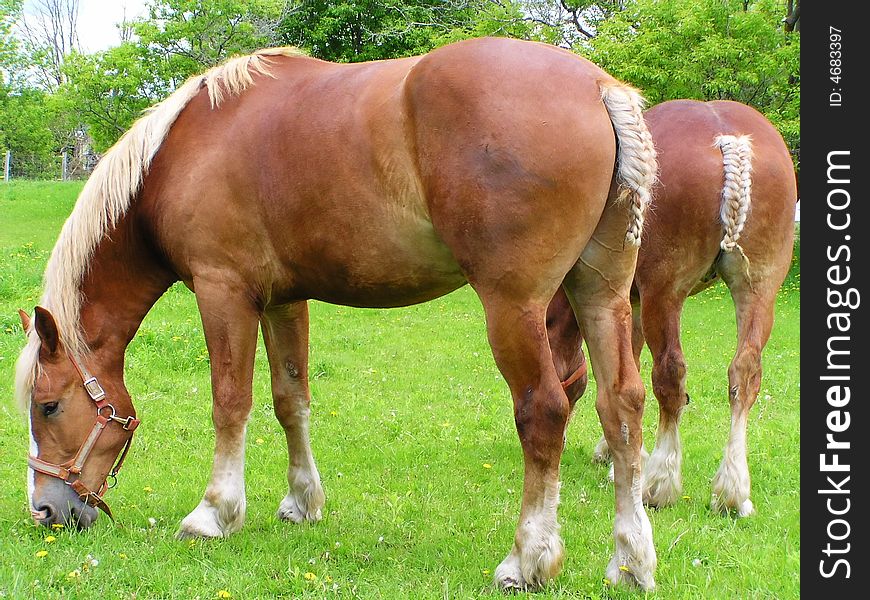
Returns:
(724,207)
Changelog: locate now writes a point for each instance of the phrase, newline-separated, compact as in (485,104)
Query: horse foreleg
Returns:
(285,333)
(229,322)
(518,337)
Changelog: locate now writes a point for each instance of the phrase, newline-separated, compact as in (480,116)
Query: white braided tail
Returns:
(737,190)
(636,156)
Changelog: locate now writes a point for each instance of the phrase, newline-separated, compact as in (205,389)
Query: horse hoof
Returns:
(660,487)
(209,521)
(509,576)
(622,576)
(299,510)
(634,559)
(741,509)
(199,525)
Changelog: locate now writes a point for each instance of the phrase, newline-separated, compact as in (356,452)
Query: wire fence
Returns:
(64,166)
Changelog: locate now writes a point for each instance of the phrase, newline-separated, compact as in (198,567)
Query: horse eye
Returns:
(49,408)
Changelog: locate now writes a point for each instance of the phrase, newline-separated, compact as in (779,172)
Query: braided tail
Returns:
(736,193)
(636,155)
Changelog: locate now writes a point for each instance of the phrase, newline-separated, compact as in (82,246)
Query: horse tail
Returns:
(636,154)
(737,191)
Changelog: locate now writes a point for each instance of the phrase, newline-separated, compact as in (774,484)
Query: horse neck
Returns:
(124,280)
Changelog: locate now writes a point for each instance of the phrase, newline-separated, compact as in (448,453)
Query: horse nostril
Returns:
(48,514)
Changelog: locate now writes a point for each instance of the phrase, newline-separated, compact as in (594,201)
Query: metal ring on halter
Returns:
(111,407)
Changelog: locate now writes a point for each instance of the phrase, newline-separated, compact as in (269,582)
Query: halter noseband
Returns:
(70,471)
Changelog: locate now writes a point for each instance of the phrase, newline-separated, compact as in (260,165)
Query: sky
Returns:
(98,20)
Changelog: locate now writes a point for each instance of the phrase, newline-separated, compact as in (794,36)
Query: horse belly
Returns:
(360,250)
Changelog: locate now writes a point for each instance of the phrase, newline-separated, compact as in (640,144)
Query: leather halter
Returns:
(575,376)
(70,471)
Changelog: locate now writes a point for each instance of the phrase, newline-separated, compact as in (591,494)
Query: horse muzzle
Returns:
(58,504)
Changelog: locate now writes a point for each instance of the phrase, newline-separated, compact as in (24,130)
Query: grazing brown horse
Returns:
(276,178)
(724,207)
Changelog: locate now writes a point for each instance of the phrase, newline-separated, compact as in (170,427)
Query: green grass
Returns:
(408,406)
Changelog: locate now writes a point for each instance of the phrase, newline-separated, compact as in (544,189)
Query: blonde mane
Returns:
(107,196)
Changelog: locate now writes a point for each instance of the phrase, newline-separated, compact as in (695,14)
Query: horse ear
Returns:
(46,329)
(25,320)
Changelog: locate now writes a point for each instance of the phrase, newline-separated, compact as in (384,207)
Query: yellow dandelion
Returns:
(122,556)
(333,413)
(74,574)
(487,466)
(224,594)
(42,554)
(147,489)
(309,576)
(261,441)
(486,571)
(49,539)
(624,569)
(57,525)
(687,497)
(328,579)
(606,581)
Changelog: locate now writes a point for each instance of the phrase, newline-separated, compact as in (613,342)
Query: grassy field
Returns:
(413,431)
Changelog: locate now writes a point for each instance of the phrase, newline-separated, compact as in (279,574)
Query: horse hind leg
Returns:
(518,337)
(601,453)
(661,310)
(285,334)
(230,325)
(598,289)
(754,307)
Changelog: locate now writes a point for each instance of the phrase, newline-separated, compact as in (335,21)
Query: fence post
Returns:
(7,168)
(63,168)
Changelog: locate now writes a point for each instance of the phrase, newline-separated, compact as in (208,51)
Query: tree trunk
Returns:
(792,20)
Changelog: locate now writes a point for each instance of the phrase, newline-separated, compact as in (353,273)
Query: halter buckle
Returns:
(94,389)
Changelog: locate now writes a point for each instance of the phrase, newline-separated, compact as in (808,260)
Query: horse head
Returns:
(78,436)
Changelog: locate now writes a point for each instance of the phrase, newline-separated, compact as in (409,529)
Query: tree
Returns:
(359,30)
(25,118)
(9,11)
(50,33)
(187,36)
(108,90)
(793,16)
(707,50)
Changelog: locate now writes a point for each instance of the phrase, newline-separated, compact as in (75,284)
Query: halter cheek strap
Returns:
(70,471)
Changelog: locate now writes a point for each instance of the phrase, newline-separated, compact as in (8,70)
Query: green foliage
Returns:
(27,128)
(184,37)
(9,10)
(107,91)
(707,50)
(358,30)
